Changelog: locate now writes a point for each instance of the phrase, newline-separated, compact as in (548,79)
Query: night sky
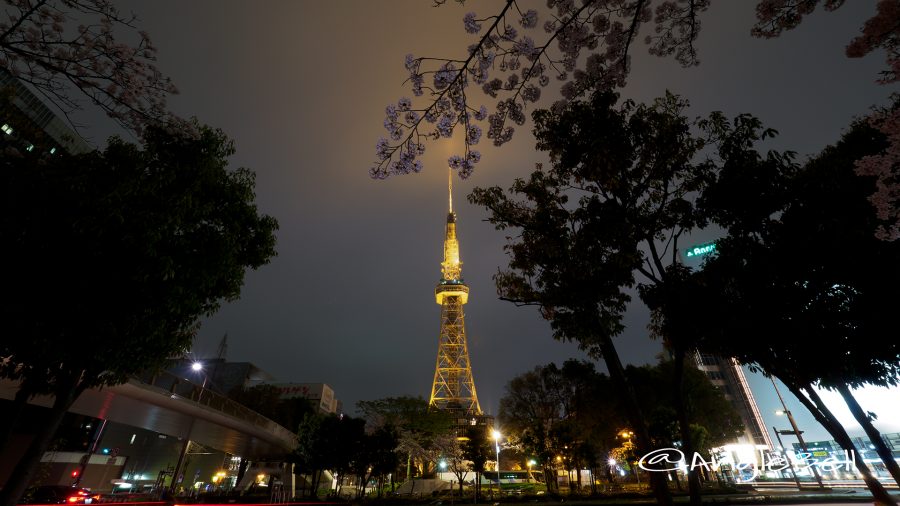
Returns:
(301,88)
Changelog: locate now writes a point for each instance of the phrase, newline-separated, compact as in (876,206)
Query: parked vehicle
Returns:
(59,494)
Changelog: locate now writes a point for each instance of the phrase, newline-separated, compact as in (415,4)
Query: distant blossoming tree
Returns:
(67,48)
(884,166)
(881,31)
(585,45)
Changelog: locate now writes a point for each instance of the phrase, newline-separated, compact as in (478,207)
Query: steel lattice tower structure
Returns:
(453,388)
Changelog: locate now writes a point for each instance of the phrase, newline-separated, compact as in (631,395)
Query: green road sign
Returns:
(700,250)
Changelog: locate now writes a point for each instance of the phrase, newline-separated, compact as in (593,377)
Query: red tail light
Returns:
(77,496)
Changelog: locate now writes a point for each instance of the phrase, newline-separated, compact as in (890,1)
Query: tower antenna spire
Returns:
(450,186)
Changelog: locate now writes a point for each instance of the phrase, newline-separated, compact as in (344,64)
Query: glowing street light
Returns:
(496,434)
(197,366)
(627,435)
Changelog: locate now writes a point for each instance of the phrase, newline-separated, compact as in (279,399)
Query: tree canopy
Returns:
(126,249)
(115,255)
(576,412)
(798,288)
(607,216)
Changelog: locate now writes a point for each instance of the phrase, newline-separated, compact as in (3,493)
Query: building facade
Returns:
(728,375)
(31,125)
(835,463)
(320,394)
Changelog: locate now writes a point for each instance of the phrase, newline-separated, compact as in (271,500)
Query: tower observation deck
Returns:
(453,388)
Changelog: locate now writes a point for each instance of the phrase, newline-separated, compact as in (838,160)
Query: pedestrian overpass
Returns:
(177,407)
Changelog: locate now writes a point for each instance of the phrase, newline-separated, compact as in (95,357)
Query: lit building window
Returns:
(7,129)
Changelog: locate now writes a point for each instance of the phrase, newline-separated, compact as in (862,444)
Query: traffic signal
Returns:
(75,473)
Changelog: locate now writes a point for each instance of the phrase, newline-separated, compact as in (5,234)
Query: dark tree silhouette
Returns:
(120,251)
(797,287)
(618,197)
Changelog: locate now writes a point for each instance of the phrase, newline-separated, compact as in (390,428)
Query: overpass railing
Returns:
(187,389)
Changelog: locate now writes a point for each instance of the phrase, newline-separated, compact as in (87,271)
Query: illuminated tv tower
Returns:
(453,388)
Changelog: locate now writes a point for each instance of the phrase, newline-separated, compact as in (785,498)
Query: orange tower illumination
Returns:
(453,388)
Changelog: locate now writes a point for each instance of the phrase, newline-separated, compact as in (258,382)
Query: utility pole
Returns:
(798,433)
(784,453)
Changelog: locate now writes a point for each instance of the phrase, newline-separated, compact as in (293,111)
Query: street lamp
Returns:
(198,367)
(496,434)
(797,432)
(784,453)
(627,435)
(530,463)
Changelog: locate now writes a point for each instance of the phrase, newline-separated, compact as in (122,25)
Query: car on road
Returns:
(59,494)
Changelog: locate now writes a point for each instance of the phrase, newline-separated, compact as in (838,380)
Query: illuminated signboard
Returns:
(700,250)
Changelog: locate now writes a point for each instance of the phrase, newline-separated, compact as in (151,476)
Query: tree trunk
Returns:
(687,443)
(633,413)
(673,475)
(874,436)
(10,419)
(824,416)
(20,479)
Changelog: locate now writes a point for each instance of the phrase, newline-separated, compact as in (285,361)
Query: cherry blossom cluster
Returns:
(882,31)
(398,118)
(39,45)
(676,30)
(584,45)
(885,167)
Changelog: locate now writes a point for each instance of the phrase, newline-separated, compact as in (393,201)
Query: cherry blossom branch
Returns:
(40,46)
